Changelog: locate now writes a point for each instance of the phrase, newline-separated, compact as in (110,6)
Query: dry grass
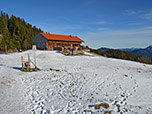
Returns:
(104,105)
(107,112)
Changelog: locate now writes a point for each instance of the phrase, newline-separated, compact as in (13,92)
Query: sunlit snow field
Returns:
(82,83)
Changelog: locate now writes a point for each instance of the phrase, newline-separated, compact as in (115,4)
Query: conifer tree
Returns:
(5,32)
(16,33)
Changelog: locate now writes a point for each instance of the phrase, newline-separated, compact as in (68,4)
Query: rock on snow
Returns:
(81,84)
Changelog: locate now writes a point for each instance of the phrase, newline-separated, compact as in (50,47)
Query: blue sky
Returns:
(100,23)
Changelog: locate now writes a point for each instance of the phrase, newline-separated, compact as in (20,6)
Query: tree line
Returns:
(112,53)
(15,33)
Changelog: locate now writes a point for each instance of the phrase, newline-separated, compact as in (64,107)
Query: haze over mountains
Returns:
(138,51)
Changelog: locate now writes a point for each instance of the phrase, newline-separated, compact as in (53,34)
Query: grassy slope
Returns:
(122,55)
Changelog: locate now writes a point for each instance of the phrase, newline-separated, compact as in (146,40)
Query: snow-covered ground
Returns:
(82,83)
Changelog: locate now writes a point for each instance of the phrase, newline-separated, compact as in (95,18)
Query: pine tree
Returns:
(5,32)
(16,33)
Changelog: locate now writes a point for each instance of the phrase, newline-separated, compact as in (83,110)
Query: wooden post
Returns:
(6,49)
(34,49)
(35,58)
(22,62)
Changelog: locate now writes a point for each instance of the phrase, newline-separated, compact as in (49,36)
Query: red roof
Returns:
(61,37)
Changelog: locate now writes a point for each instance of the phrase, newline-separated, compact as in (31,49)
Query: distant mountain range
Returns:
(138,51)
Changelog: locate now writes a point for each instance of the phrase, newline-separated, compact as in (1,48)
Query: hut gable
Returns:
(40,41)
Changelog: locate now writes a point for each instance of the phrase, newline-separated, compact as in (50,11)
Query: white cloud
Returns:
(135,24)
(147,15)
(121,32)
(143,14)
(148,27)
(130,12)
(120,38)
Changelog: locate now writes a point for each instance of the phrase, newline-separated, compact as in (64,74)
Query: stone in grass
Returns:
(139,107)
(54,70)
(88,111)
(97,106)
(104,105)
(30,69)
(107,112)
(126,75)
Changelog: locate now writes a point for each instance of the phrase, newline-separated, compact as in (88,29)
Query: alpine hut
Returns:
(56,41)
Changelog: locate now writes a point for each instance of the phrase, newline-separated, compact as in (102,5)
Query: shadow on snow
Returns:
(16,68)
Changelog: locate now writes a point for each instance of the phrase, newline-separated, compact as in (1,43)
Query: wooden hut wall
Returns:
(55,44)
(40,41)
